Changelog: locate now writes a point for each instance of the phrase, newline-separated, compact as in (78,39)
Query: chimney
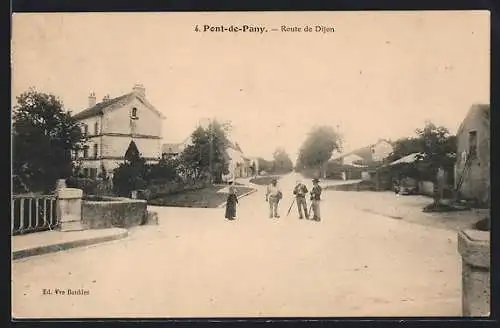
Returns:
(139,89)
(92,99)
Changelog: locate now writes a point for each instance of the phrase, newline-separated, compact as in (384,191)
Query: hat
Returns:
(274,180)
(315,180)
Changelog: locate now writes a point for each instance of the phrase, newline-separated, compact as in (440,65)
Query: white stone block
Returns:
(69,209)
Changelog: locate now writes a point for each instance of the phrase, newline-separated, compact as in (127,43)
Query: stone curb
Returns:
(239,197)
(34,251)
(474,246)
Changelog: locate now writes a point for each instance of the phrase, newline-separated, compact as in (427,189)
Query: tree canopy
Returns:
(282,162)
(44,137)
(318,147)
(435,143)
(207,152)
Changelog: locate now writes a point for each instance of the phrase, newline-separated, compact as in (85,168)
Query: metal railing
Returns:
(33,213)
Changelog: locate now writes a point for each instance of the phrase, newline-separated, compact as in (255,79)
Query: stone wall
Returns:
(113,212)
(474,247)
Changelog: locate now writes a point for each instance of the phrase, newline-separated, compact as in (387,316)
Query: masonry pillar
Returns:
(69,209)
(474,247)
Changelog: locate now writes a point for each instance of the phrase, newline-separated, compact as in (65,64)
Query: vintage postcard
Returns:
(250,164)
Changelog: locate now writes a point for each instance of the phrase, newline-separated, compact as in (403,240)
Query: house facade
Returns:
(169,150)
(373,153)
(356,164)
(472,166)
(239,165)
(112,125)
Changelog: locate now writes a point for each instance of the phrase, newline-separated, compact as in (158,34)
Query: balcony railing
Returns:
(33,213)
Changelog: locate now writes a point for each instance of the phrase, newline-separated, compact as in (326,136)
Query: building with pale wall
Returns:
(373,153)
(113,124)
(472,167)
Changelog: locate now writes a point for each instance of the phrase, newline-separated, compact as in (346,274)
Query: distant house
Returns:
(373,153)
(355,164)
(239,165)
(115,125)
(174,149)
(472,167)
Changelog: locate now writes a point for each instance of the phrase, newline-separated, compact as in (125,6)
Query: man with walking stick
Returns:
(300,192)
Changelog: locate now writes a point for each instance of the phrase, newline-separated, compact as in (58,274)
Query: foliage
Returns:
(403,147)
(318,147)
(167,169)
(44,137)
(438,149)
(265,165)
(282,162)
(206,155)
(438,145)
(131,174)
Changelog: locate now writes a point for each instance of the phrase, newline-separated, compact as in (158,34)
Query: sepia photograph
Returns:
(250,164)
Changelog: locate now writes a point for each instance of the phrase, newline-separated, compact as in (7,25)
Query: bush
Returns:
(128,177)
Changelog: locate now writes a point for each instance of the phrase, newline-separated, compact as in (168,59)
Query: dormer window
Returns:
(134,113)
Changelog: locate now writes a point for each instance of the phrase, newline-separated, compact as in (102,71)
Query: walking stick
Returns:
(290,207)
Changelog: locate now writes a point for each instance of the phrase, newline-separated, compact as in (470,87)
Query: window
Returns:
(134,112)
(96,150)
(85,130)
(96,128)
(473,144)
(93,173)
(85,151)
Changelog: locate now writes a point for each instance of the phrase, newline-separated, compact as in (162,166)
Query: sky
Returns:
(379,75)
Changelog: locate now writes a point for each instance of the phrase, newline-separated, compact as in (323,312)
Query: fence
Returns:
(33,213)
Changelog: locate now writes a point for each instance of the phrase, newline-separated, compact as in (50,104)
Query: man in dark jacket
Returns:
(315,199)
(300,192)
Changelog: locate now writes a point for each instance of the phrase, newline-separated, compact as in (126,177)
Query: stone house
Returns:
(370,154)
(174,149)
(472,166)
(239,165)
(355,164)
(113,125)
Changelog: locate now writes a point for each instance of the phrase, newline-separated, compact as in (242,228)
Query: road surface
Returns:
(196,264)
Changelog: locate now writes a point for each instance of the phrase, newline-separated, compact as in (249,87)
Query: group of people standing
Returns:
(274,196)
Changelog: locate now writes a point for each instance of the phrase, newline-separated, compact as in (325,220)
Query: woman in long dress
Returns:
(232,200)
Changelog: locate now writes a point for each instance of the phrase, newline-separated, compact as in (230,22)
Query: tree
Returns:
(265,165)
(131,174)
(318,147)
(438,145)
(44,138)
(403,147)
(206,155)
(282,162)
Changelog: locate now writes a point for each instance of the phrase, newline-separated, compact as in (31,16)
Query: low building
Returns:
(174,149)
(472,166)
(358,164)
(113,125)
(370,154)
(239,165)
